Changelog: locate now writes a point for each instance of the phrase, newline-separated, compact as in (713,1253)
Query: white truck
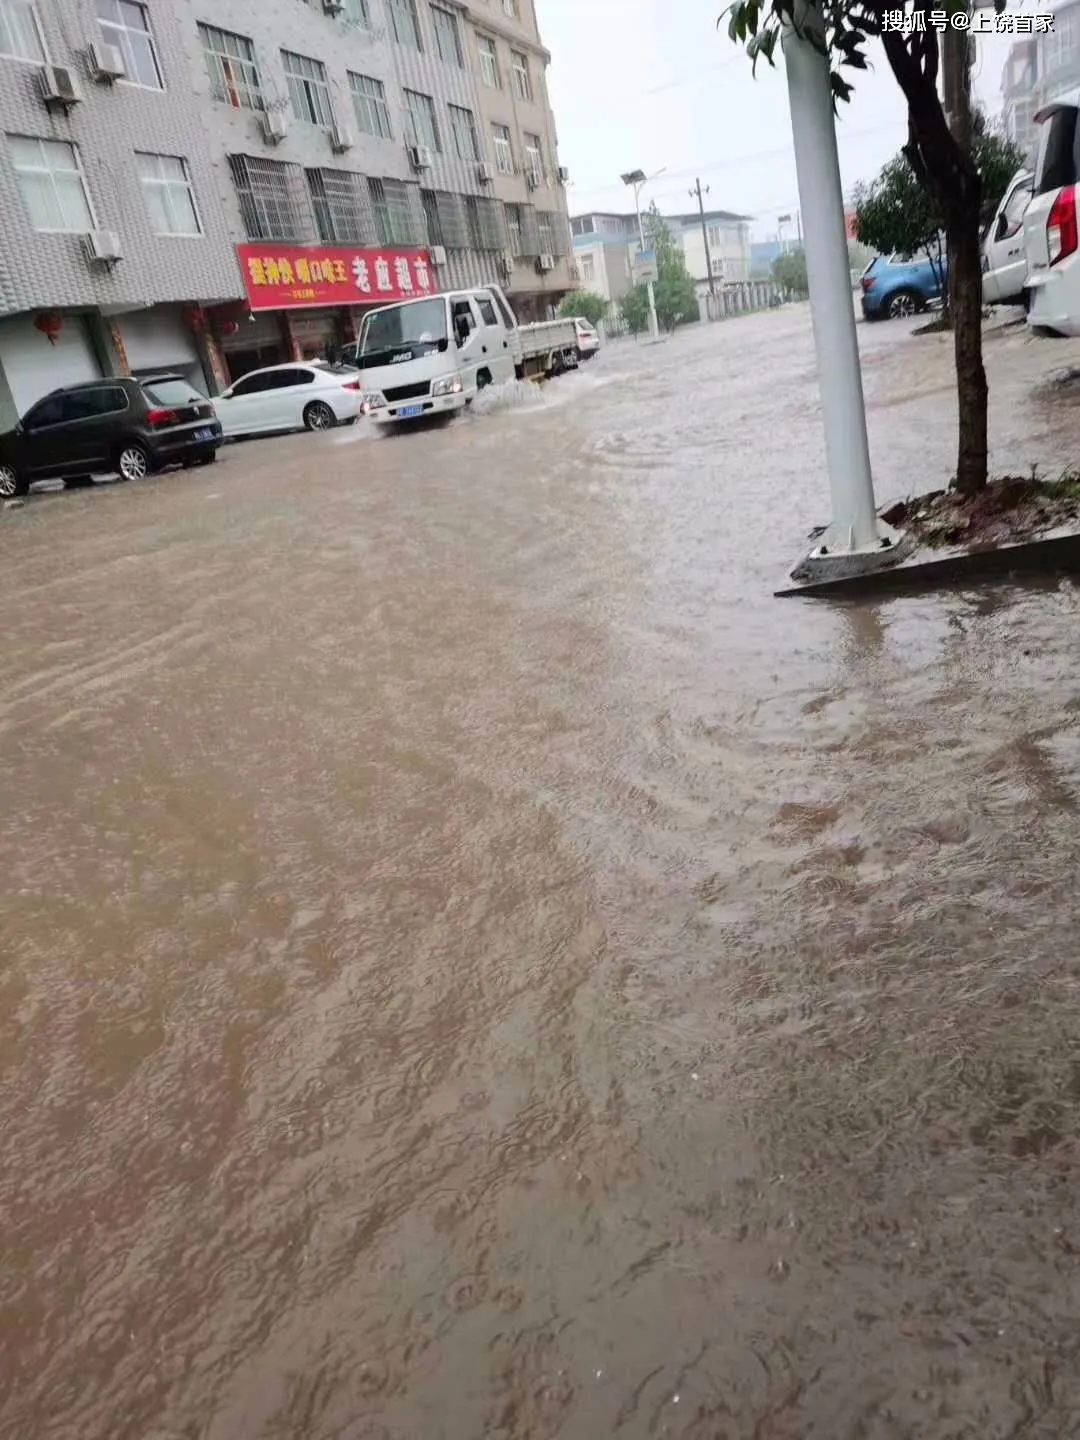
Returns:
(433,355)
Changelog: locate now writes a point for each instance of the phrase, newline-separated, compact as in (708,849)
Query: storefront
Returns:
(303,300)
(40,352)
(159,339)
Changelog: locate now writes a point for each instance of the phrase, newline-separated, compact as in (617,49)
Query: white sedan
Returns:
(588,340)
(314,395)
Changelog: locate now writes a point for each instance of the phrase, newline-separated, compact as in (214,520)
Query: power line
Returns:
(842,134)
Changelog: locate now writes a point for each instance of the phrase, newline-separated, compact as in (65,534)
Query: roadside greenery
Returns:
(586,304)
(789,272)
(939,151)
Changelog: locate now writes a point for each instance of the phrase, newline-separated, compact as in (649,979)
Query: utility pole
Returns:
(704,233)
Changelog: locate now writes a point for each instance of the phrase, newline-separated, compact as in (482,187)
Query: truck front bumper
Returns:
(408,410)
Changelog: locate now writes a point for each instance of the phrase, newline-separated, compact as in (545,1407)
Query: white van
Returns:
(1004,262)
(432,356)
(1051,229)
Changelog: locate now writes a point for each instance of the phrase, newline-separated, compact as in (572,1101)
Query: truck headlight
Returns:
(448,385)
(371,401)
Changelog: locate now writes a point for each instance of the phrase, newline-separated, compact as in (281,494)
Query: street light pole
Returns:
(856,540)
(638,179)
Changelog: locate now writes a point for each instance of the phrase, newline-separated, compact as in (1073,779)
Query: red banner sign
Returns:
(284,277)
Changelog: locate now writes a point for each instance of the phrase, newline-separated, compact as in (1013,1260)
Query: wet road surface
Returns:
(474,964)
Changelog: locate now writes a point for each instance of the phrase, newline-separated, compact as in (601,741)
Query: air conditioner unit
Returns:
(59,87)
(545,262)
(333,7)
(102,247)
(564,175)
(438,255)
(421,157)
(506,264)
(106,63)
(484,173)
(341,139)
(275,126)
(534,179)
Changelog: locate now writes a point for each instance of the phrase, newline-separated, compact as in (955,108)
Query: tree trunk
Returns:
(965,302)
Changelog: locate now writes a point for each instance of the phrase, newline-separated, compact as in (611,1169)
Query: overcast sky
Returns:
(651,83)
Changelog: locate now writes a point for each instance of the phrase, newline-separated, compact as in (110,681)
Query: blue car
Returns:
(900,285)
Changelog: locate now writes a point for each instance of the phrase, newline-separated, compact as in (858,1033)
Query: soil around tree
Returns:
(1010,509)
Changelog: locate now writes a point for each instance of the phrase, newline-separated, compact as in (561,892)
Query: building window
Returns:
(447,36)
(52,184)
(167,190)
(588,269)
(369,105)
(269,203)
(504,150)
(230,63)
(489,61)
(405,23)
(393,212)
(512,215)
(432,219)
(20,35)
(472,220)
(534,154)
(126,26)
(308,89)
(463,129)
(510,8)
(519,64)
(357,11)
(547,232)
(339,208)
(421,127)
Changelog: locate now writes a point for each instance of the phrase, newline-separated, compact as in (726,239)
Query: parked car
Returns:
(900,285)
(588,338)
(1051,228)
(1004,264)
(314,395)
(118,425)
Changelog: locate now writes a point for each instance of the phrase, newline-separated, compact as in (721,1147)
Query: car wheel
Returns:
(12,483)
(904,304)
(483,380)
(318,416)
(133,461)
(207,459)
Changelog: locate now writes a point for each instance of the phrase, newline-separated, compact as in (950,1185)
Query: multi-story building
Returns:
(216,187)
(1039,68)
(605,244)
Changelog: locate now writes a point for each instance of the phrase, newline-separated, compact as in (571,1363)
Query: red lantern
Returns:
(228,327)
(50,326)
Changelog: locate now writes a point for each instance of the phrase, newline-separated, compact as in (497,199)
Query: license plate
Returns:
(409,411)
(204,434)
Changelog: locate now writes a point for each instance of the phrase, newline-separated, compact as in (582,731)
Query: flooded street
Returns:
(475,964)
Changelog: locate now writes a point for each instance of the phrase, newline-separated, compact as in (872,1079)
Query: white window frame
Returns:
(445,13)
(358,12)
(378,103)
(427,110)
(504,148)
(488,50)
(510,8)
(170,183)
(30,5)
(395,9)
(114,32)
(53,230)
(458,114)
(534,154)
(249,92)
(519,69)
(315,88)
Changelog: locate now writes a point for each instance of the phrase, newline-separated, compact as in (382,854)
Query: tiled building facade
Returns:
(173,173)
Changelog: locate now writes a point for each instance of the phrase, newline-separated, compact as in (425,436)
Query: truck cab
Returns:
(431,356)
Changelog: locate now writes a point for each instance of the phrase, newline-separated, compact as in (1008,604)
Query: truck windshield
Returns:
(415,328)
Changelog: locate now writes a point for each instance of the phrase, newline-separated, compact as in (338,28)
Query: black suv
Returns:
(118,425)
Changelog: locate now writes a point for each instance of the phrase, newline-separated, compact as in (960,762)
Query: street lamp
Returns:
(638,179)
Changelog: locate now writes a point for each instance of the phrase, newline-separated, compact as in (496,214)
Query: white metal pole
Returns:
(654,327)
(854,520)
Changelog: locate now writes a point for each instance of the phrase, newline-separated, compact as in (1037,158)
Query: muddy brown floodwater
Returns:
(476,965)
